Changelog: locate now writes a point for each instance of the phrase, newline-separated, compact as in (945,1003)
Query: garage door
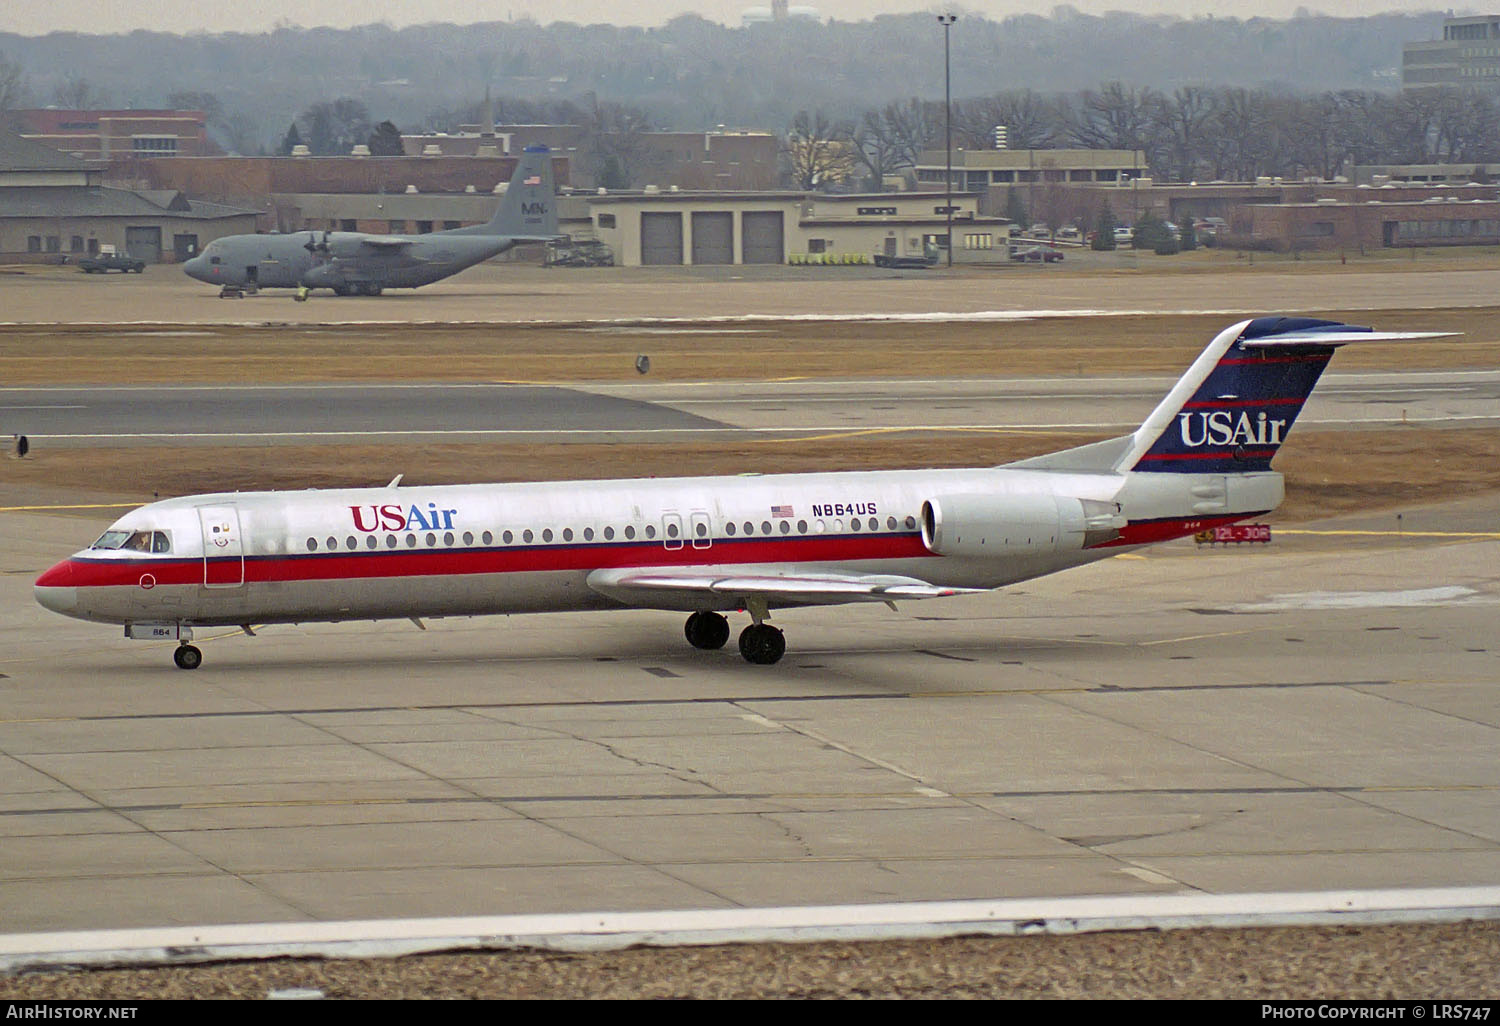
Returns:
(763,237)
(661,239)
(713,238)
(144,243)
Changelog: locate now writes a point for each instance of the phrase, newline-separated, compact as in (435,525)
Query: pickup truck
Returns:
(103,263)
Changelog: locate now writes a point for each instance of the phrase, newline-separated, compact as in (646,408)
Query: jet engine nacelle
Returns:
(324,276)
(997,525)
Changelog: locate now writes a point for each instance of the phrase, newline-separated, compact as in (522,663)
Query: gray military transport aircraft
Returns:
(357,263)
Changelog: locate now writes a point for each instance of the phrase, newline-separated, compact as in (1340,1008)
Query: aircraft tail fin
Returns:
(1231,411)
(1235,405)
(528,210)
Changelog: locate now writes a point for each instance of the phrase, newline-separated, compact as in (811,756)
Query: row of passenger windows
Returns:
(527,537)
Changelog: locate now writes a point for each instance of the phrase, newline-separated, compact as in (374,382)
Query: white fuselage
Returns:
(327,555)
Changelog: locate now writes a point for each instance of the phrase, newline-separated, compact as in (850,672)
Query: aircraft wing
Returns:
(674,588)
(377,242)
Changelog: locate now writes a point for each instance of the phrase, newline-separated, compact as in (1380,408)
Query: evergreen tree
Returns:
(1104,230)
(1015,209)
(293,139)
(385,141)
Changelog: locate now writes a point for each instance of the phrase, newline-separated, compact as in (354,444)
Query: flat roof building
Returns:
(1468,56)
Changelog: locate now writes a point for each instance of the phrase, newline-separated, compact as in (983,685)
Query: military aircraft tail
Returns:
(528,210)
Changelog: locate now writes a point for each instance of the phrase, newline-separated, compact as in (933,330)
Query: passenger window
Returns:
(609,534)
(390,541)
(588,534)
(911,522)
(370,541)
(448,538)
(786,527)
(874,524)
(468,537)
(312,545)
(701,530)
(749,528)
(802,527)
(431,540)
(854,524)
(765,527)
(729,528)
(567,534)
(671,530)
(488,538)
(507,537)
(411,541)
(350,543)
(629,531)
(650,531)
(890,523)
(526,536)
(547,534)
(333,543)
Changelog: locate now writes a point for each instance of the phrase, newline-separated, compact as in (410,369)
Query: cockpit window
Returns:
(134,541)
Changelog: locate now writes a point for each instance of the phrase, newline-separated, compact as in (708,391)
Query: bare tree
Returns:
(13,90)
(79,94)
(1113,118)
(819,152)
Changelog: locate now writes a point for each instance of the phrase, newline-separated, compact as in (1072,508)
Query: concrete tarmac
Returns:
(699,411)
(1319,713)
(508,293)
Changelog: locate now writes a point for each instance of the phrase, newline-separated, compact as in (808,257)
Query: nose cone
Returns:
(197,268)
(56,591)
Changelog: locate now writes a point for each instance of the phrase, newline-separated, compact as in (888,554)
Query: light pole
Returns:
(947,20)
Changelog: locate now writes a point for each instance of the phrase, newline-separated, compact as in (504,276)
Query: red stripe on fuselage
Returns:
(442,562)
(1147,532)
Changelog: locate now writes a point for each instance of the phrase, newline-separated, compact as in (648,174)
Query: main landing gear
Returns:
(760,643)
(187,657)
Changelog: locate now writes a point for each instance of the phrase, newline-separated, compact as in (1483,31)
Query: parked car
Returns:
(103,263)
(1124,236)
(1036,255)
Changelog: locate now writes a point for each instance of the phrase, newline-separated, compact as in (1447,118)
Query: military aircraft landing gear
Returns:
(706,630)
(762,644)
(187,657)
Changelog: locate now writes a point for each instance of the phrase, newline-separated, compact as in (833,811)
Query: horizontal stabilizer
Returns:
(1340,338)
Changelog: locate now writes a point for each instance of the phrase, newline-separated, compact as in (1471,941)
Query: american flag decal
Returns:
(781,511)
(533,180)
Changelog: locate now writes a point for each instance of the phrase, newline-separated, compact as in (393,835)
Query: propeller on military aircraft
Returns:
(312,245)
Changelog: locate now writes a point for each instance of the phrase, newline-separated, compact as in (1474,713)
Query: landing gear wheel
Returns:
(706,630)
(187,657)
(762,644)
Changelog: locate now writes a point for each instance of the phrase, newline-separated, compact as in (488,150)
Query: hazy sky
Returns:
(37,17)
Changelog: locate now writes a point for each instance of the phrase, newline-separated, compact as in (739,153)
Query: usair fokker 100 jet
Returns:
(710,545)
(358,263)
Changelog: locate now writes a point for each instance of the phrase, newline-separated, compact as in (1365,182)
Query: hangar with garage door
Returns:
(672,228)
(657,228)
